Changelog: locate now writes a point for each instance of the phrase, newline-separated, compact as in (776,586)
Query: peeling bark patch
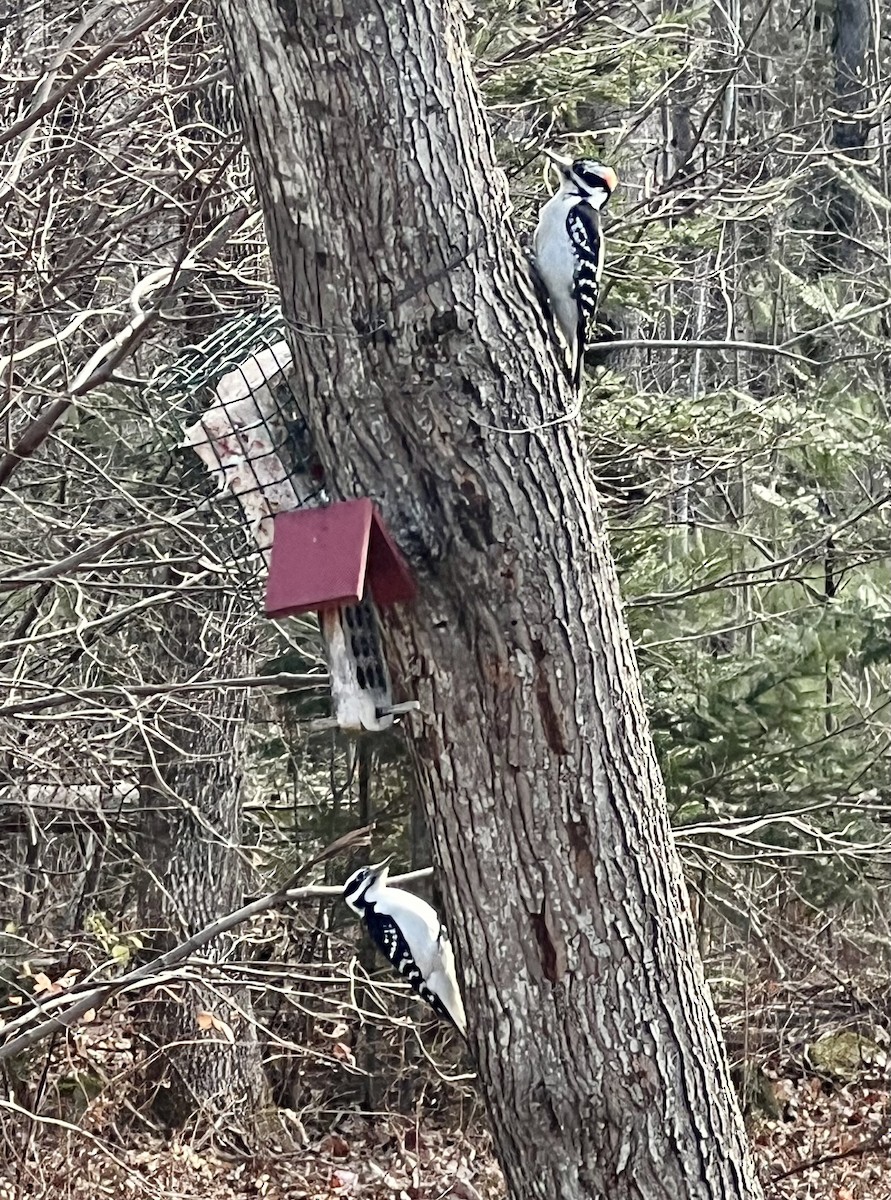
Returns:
(538,651)
(469,388)
(475,517)
(288,13)
(372,328)
(541,1099)
(579,839)
(441,324)
(546,947)
(553,729)
(551,723)
(423,546)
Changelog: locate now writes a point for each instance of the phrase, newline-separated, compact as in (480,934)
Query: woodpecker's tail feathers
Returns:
(579,345)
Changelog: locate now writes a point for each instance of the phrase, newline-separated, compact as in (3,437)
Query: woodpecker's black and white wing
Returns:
(438,989)
(586,238)
(555,266)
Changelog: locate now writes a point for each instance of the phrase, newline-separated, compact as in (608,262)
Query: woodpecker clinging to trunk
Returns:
(407,930)
(568,250)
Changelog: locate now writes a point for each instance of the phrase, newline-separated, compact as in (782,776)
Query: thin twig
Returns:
(703,344)
(283,679)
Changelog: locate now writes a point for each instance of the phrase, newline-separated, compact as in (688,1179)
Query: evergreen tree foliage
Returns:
(747,489)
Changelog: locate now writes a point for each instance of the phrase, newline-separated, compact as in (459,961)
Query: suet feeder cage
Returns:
(337,560)
(341,562)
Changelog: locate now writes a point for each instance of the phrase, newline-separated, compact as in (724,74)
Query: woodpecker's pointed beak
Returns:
(380,870)
(563,165)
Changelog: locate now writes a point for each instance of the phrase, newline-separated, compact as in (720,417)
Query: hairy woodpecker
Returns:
(407,930)
(568,249)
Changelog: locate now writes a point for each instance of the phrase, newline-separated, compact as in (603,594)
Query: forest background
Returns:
(739,430)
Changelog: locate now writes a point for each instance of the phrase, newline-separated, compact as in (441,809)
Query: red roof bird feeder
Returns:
(328,557)
(341,562)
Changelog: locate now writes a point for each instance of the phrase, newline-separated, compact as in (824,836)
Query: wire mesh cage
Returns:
(252,436)
(248,429)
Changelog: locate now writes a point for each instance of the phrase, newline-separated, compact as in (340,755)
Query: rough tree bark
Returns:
(429,388)
(191,791)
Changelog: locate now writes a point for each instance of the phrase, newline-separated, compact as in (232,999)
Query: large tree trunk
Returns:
(429,389)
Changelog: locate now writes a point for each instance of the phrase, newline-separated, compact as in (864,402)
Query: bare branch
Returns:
(88,68)
(96,996)
(282,680)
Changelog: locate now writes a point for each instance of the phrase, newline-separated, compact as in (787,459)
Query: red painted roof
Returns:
(327,557)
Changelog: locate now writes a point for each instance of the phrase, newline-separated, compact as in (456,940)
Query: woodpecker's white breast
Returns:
(556,262)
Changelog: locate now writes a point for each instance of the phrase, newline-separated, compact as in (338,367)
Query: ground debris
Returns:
(362,1161)
(831,1142)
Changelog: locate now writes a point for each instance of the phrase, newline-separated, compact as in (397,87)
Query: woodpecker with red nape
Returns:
(568,250)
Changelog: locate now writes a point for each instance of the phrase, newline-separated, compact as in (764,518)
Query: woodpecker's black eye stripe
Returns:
(588,174)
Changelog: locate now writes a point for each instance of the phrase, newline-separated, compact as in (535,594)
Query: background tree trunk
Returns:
(191,791)
(429,389)
(851,30)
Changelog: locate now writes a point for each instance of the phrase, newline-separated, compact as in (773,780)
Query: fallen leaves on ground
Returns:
(831,1142)
(444,1162)
(395,1158)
